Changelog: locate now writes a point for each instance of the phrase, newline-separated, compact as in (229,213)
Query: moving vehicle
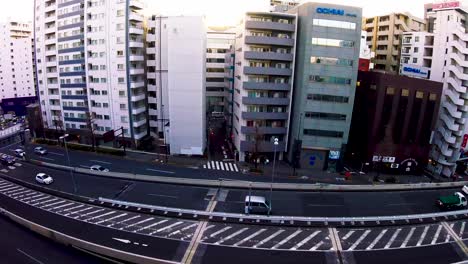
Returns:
(19,152)
(7,159)
(454,201)
(44,178)
(40,150)
(256,205)
(98,168)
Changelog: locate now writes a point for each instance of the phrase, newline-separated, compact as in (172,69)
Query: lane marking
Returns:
(31,197)
(316,246)
(268,238)
(422,236)
(126,220)
(305,240)
(48,205)
(208,165)
(286,239)
(348,235)
(231,167)
(232,235)
(137,223)
(61,206)
(149,226)
(458,240)
(58,154)
(94,217)
(100,161)
(183,229)
(18,193)
(29,256)
(45,202)
(408,237)
(220,231)
(81,210)
(166,227)
(376,240)
(68,209)
(221,165)
(325,205)
(335,239)
(31,202)
(9,188)
(235,167)
(249,237)
(162,195)
(439,228)
(14,191)
(460,234)
(112,218)
(163,171)
(392,239)
(90,213)
(353,246)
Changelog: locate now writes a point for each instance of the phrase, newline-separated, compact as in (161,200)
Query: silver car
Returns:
(40,150)
(99,168)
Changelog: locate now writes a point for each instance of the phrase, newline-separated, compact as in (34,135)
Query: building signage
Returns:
(334,154)
(465,140)
(384,159)
(445,5)
(333,11)
(415,71)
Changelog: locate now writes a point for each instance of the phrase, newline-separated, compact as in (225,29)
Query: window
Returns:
(325,116)
(416,39)
(120,13)
(432,97)
(120,53)
(334,24)
(123,106)
(415,60)
(332,42)
(416,49)
(329,79)
(328,98)
(124,119)
(105,105)
(331,61)
(121,80)
(323,133)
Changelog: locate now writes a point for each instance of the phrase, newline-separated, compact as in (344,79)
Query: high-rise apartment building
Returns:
(384,37)
(327,60)
(263,81)
(91,66)
(16,67)
(176,60)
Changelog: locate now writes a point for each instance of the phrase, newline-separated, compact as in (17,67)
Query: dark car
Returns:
(7,159)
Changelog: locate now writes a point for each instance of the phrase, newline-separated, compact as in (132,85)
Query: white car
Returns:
(44,178)
(19,152)
(40,150)
(99,168)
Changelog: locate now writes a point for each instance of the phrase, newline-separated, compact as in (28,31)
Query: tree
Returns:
(90,126)
(255,156)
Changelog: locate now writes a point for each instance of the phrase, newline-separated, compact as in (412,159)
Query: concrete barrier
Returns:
(221,183)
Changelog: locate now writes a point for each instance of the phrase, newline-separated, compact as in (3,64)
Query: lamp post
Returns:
(275,144)
(64,138)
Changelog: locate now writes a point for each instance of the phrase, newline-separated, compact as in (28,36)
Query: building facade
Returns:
(365,54)
(91,66)
(383,37)
(417,49)
(263,82)
(327,56)
(176,55)
(16,67)
(393,119)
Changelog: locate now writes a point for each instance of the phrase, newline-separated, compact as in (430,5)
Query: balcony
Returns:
(49,30)
(75,108)
(270,25)
(73,85)
(269,41)
(454,97)
(75,119)
(137,84)
(140,122)
(138,110)
(50,41)
(449,122)
(136,4)
(140,135)
(135,30)
(153,112)
(262,146)
(135,71)
(263,130)
(452,109)
(50,18)
(150,50)
(135,17)
(151,63)
(135,43)
(268,71)
(267,86)
(265,116)
(151,88)
(51,63)
(447,135)
(136,58)
(55,107)
(139,97)
(255,55)
(264,101)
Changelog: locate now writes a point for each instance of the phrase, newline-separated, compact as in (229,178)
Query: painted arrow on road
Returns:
(126,241)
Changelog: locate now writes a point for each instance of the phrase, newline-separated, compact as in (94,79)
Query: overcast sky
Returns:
(227,12)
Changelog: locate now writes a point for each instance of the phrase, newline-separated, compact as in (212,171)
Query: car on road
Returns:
(40,150)
(7,159)
(455,201)
(44,178)
(256,205)
(19,152)
(98,168)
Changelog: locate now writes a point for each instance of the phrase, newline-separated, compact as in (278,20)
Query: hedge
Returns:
(46,141)
(116,152)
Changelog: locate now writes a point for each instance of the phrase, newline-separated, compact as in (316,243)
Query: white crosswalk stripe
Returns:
(221,165)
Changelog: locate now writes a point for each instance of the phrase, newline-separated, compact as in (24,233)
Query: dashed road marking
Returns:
(316,246)
(305,240)
(353,246)
(462,228)
(249,237)
(268,238)
(220,231)
(348,235)
(126,220)
(100,161)
(98,216)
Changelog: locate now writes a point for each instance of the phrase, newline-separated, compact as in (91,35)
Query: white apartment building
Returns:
(417,49)
(176,55)
(91,65)
(219,41)
(263,83)
(16,67)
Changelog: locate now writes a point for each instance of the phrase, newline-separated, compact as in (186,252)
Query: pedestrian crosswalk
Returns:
(220,165)
(8,168)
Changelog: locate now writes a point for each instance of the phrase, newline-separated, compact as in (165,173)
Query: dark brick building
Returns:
(392,122)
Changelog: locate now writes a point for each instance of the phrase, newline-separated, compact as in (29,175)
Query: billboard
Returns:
(445,5)
(415,71)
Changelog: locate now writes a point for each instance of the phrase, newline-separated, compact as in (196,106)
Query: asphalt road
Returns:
(339,204)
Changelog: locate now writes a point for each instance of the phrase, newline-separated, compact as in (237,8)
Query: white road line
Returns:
(94,217)
(149,226)
(235,167)
(268,238)
(35,200)
(305,240)
(208,165)
(100,161)
(204,166)
(217,165)
(45,202)
(220,231)
(249,237)
(137,223)
(81,210)
(9,188)
(213,165)
(59,202)
(183,229)
(163,171)
(90,213)
(230,167)
(45,158)
(286,239)
(460,234)
(68,209)
(19,192)
(353,246)
(221,165)
(166,227)
(112,218)
(128,219)
(422,236)
(348,235)
(29,256)
(65,205)
(408,237)
(231,235)
(58,154)
(447,238)
(14,191)
(316,246)
(436,236)
(389,243)
(5,184)
(376,240)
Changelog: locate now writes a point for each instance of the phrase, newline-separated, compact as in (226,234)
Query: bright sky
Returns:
(228,12)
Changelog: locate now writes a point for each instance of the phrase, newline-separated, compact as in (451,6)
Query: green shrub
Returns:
(79,147)
(45,141)
(116,152)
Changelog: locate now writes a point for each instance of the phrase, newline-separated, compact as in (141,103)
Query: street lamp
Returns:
(64,138)
(273,172)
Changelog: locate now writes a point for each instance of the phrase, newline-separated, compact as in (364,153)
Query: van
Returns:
(256,205)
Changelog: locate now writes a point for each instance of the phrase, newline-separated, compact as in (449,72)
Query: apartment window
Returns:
(432,97)
(416,39)
(123,106)
(328,98)
(124,119)
(106,117)
(334,24)
(120,13)
(325,116)
(120,53)
(415,60)
(323,133)
(120,26)
(122,93)
(331,61)
(332,42)
(329,79)
(105,105)
(120,67)
(405,92)
(121,80)
(416,49)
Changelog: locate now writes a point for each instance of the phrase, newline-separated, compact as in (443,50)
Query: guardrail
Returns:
(237,184)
